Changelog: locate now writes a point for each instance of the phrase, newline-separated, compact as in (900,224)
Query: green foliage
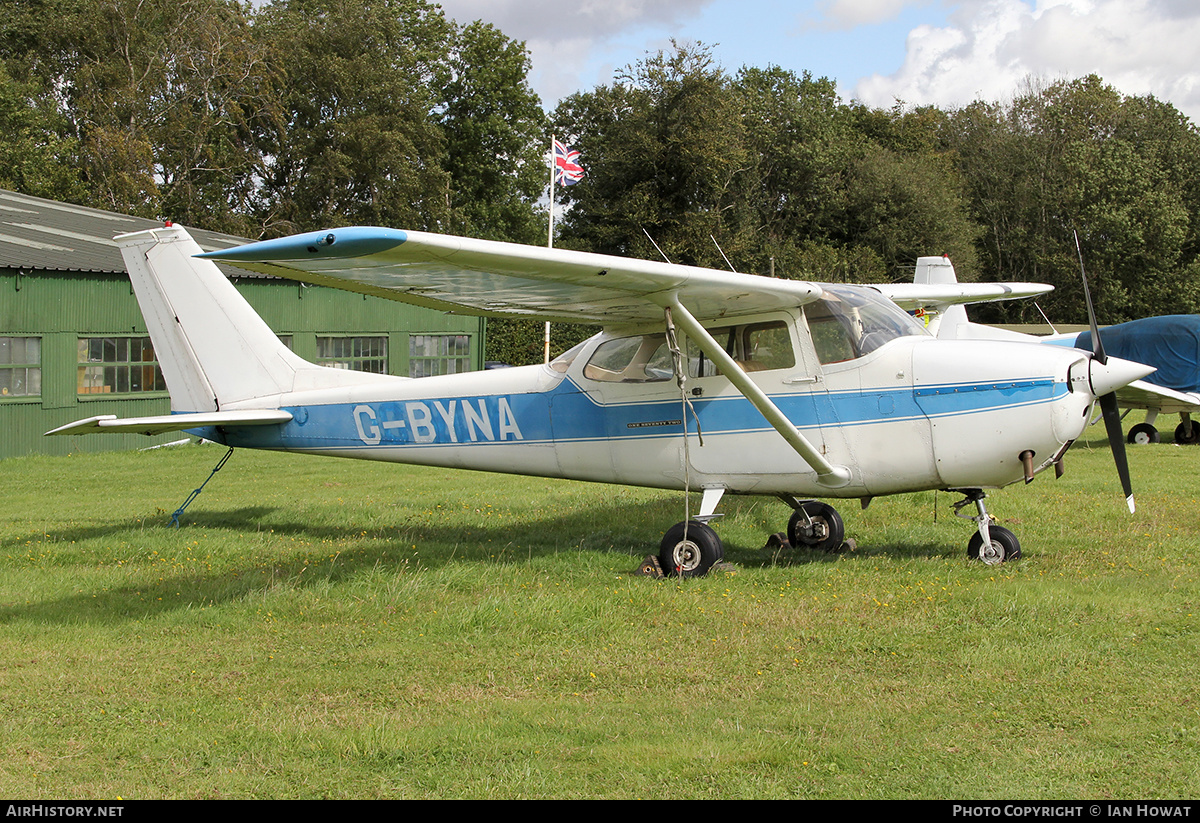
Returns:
(272,119)
(769,165)
(269,119)
(1078,157)
(523,342)
(34,143)
(662,147)
(358,144)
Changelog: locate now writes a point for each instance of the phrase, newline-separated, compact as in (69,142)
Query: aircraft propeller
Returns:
(1108,401)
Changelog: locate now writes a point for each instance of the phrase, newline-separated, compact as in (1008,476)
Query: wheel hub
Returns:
(686,555)
(992,553)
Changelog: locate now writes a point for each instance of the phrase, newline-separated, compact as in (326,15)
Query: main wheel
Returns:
(1142,433)
(691,555)
(1187,432)
(1004,546)
(827,532)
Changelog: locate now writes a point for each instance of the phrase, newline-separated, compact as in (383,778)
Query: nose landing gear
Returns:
(991,543)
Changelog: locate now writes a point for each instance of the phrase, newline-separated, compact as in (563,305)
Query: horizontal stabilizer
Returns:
(911,296)
(110,423)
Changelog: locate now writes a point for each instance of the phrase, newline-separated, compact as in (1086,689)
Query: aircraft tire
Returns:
(1141,434)
(692,556)
(1188,432)
(830,530)
(1005,546)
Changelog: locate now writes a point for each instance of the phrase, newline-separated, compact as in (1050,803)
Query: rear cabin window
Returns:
(642,359)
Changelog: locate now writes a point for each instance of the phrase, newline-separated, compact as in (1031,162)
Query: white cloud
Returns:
(990,46)
(848,14)
(581,21)
(565,41)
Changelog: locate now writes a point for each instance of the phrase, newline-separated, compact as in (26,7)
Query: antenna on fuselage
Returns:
(651,239)
(723,257)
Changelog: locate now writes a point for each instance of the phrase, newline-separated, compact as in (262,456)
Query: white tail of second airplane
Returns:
(213,348)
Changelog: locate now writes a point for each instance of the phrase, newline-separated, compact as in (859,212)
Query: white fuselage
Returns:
(916,413)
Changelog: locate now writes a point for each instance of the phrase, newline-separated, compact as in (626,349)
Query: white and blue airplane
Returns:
(702,380)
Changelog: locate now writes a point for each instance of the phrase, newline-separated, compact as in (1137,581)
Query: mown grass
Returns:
(323,628)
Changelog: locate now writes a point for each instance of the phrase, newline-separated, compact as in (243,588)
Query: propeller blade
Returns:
(1116,439)
(1108,402)
(1097,343)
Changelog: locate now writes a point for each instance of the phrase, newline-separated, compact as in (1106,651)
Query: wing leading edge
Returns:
(486,277)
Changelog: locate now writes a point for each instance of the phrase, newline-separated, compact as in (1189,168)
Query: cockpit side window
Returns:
(755,347)
(848,323)
(767,346)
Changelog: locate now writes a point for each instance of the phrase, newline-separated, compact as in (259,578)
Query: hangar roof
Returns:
(38,234)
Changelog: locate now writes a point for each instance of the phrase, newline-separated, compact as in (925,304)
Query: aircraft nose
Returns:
(1110,376)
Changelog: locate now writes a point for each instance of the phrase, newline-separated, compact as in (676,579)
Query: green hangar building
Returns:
(73,343)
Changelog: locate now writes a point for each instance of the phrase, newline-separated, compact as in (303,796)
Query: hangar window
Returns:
(20,366)
(118,365)
(430,354)
(369,354)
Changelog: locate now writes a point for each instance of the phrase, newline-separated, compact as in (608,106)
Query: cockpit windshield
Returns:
(849,322)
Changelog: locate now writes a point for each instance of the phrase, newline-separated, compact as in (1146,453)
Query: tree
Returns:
(37,155)
(162,99)
(495,132)
(359,142)
(1077,156)
(663,147)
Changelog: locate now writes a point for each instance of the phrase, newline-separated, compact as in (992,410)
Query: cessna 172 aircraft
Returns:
(701,380)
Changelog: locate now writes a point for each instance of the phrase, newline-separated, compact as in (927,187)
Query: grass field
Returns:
(324,628)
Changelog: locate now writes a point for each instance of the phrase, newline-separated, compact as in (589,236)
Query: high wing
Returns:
(490,278)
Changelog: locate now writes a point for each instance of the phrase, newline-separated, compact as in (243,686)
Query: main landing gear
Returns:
(817,526)
(991,543)
(692,548)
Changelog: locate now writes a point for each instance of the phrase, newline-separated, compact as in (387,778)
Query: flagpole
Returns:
(549,245)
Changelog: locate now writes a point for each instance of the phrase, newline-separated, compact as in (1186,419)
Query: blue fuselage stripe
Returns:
(566,413)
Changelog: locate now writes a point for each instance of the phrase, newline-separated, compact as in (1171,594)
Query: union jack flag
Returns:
(567,171)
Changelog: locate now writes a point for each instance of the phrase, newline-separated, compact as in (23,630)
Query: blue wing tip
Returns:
(352,241)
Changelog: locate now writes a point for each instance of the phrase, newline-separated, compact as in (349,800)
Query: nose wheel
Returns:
(991,544)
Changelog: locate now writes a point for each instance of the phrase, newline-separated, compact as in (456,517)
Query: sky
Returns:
(880,52)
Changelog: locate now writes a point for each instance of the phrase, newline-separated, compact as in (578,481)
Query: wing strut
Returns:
(828,474)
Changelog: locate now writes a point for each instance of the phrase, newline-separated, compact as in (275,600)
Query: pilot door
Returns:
(865,404)
(727,435)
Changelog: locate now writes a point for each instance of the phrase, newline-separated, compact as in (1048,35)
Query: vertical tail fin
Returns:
(946,319)
(211,345)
